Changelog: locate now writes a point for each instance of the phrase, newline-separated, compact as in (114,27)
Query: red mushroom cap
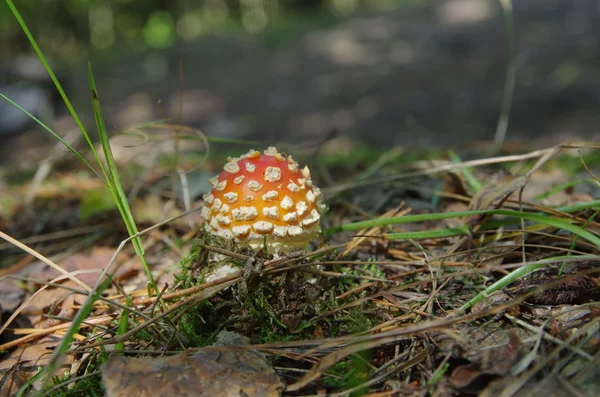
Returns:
(260,195)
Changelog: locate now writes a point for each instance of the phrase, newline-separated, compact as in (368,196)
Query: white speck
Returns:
(249,198)
(224,209)
(232,167)
(221,186)
(231,197)
(279,157)
(240,230)
(208,198)
(293,187)
(223,220)
(310,196)
(286,203)
(214,181)
(292,216)
(317,191)
(272,174)
(224,233)
(254,186)
(262,226)
(311,218)
(271,212)
(270,195)
(255,236)
(271,151)
(206,212)
(244,213)
(220,272)
(295,230)
(306,172)
(301,207)
(279,231)
(302,181)
(238,179)
(293,167)
(214,224)
(216,205)
(252,154)
(250,167)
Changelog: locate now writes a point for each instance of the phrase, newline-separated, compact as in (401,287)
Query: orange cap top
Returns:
(260,195)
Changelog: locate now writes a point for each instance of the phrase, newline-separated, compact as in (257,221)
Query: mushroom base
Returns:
(277,244)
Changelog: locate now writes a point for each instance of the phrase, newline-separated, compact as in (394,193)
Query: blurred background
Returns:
(418,73)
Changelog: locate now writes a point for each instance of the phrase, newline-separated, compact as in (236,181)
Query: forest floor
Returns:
(433,276)
(437,273)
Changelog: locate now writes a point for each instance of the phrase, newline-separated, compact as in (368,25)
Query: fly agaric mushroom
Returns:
(264,195)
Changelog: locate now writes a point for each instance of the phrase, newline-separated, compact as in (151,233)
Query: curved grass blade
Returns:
(58,137)
(562,187)
(23,390)
(546,220)
(123,325)
(57,84)
(114,180)
(440,233)
(579,206)
(66,340)
(515,275)
(466,171)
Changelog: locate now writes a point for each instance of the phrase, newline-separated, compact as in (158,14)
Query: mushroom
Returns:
(264,195)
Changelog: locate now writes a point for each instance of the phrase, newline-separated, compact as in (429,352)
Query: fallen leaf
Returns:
(203,373)
(18,366)
(486,365)
(572,291)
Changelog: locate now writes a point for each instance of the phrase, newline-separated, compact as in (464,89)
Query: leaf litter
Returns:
(388,308)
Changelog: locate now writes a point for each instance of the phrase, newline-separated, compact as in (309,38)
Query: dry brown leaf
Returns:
(486,364)
(499,187)
(21,364)
(203,373)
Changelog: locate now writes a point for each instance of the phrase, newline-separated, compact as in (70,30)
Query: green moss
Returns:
(354,320)
(90,386)
(185,277)
(87,387)
(197,325)
(349,373)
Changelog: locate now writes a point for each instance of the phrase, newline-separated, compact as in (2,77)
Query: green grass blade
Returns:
(441,233)
(57,84)
(123,325)
(395,220)
(58,137)
(546,220)
(564,264)
(515,275)
(115,185)
(579,206)
(562,187)
(66,340)
(511,74)
(25,388)
(466,171)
